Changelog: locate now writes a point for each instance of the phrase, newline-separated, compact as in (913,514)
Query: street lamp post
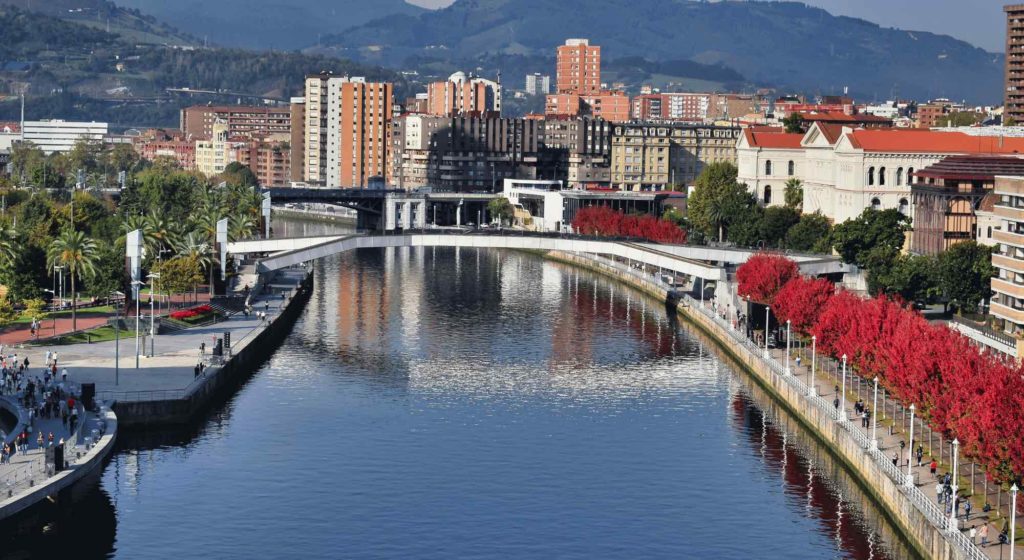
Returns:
(60,283)
(789,333)
(956,461)
(842,406)
(910,449)
(117,345)
(814,363)
(874,417)
(767,322)
(1013,518)
(136,284)
(153,277)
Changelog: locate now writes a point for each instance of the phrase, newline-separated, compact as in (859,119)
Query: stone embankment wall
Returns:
(927,540)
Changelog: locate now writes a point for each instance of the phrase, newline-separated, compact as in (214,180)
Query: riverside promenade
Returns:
(168,376)
(913,508)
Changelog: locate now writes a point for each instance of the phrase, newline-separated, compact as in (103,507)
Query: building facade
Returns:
(60,136)
(578,67)
(242,120)
(269,158)
(1007,303)
(358,121)
(297,142)
(577,151)
(167,143)
(1014,75)
(213,154)
(462,154)
(537,84)
(464,95)
(659,156)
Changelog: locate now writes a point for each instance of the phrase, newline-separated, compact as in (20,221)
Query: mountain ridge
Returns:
(785,44)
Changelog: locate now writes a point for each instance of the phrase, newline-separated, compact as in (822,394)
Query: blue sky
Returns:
(979,22)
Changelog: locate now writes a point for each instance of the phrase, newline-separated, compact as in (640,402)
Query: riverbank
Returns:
(918,519)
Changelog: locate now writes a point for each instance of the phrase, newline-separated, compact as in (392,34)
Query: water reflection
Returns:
(437,403)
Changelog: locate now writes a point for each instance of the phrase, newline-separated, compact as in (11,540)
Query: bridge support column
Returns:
(421,214)
(389,214)
(406,215)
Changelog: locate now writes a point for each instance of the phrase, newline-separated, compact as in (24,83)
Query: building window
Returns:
(910,176)
(904,207)
(989,236)
(792,168)
(767,195)
(871,176)
(876,204)
(899,176)
(768,168)
(881,176)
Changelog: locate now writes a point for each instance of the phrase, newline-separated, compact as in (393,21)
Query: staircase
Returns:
(228,305)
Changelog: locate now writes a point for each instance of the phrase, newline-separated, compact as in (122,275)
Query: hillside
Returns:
(267,24)
(784,44)
(74,71)
(105,15)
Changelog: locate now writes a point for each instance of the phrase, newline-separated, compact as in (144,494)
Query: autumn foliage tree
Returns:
(962,392)
(763,275)
(801,300)
(603,221)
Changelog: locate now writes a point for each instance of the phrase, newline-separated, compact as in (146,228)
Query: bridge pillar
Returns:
(458,214)
(390,219)
(421,214)
(407,215)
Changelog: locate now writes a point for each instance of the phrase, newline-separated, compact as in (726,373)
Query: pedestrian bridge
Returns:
(711,264)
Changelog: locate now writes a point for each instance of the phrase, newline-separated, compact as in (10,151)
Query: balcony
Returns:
(1016,239)
(1007,287)
(1008,313)
(1009,212)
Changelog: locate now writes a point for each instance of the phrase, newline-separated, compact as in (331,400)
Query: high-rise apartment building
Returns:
(464,95)
(346,130)
(242,120)
(1014,94)
(648,156)
(578,67)
(1007,304)
(297,158)
(537,84)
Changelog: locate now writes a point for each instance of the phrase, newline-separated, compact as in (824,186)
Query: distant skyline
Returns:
(979,22)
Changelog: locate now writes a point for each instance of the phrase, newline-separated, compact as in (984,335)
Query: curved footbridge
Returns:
(684,263)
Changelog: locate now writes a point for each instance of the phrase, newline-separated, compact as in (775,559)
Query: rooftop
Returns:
(921,140)
(973,168)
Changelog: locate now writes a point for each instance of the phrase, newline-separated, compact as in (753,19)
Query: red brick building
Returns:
(578,67)
(242,120)
(174,144)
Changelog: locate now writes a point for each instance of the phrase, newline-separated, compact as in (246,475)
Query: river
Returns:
(443,403)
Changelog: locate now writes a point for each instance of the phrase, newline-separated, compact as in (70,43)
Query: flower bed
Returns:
(198,314)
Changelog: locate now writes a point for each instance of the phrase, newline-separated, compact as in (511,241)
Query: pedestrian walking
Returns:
(939,492)
(895,459)
(973,532)
(920,455)
(983,535)
(967,510)
(835,403)
(39,441)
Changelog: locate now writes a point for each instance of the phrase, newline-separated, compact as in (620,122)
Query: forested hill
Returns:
(74,71)
(785,44)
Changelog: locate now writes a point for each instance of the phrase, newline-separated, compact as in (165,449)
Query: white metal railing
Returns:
(926,506)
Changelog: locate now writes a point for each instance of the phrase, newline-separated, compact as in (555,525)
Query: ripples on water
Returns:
(442,403)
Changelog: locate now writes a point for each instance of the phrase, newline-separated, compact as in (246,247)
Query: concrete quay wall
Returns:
(923,536)
(91,463)
(217,381)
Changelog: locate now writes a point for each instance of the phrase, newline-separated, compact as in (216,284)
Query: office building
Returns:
(537,84)
(60,136)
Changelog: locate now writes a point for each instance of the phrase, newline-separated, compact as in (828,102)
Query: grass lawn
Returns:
(101,334)
(83,312)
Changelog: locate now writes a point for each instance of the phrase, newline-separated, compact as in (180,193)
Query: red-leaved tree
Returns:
(801,300)
(602,221)
(763,275)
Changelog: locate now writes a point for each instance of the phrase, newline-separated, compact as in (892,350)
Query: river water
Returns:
(443,403)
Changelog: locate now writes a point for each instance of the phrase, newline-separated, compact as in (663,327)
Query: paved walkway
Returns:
(825,383)
(171,370)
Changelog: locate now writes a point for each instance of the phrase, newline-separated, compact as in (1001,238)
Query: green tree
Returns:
(25,158)
(812,233)
(775,224)
(34,308)
(965,272)
(110,271)
(912,277)
(501,209)
(77,254)
(237,175)
(873,237)
(180,274)
(794,123)
(794,193)
(718,201)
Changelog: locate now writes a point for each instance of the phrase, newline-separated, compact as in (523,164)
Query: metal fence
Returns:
(928,508)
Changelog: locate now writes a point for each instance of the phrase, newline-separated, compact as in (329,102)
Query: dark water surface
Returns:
(475,404)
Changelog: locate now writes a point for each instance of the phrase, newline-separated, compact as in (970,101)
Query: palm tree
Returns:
(240,226)
(8,247)
(162,234)
(204,223)
(77,254)
(192,246)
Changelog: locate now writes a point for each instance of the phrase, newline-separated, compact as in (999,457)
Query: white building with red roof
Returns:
(845,170)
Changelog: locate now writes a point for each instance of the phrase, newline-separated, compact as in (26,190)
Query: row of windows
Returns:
(881,177)
(791,168)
